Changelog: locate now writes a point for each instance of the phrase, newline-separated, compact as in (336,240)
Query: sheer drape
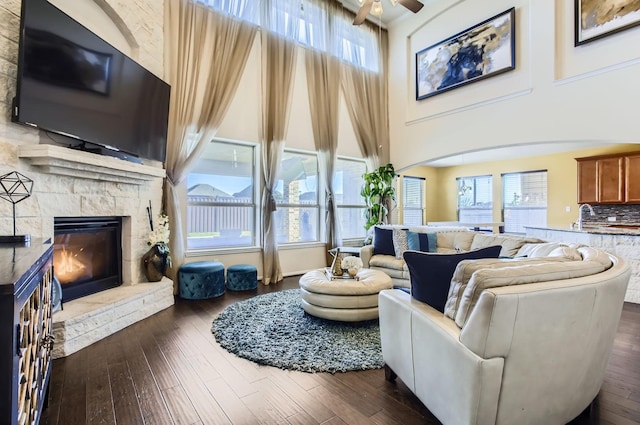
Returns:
(366,96)
(246,10)
(280,20)
(206,53)
(323,85)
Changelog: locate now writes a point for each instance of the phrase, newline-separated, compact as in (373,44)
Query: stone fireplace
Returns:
(78,184)
(73,187)
(87,254)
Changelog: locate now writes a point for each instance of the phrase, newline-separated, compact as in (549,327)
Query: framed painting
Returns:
(482,51)
(599,18)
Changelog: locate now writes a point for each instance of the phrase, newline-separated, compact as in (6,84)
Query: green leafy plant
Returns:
(378,192)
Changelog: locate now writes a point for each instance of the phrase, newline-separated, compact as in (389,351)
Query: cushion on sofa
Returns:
(510,244)
(566,251)
(519,275)
(425,242)
(387,262)
(431,273)
(400,242)
(466,268)
(383,241)
(533,250)
(590,253)
(454,241)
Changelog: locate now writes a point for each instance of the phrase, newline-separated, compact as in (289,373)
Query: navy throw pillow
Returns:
(429,241)
(431,273)
(425,242)
(383,241)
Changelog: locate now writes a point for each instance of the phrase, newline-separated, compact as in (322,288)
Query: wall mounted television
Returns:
(73,83)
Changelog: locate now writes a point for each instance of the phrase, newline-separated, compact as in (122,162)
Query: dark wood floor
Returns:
(168,369)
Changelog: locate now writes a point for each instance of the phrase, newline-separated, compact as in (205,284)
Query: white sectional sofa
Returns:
(520,341)
(449,240)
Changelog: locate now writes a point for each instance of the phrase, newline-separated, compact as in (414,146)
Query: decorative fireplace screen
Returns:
(87,255)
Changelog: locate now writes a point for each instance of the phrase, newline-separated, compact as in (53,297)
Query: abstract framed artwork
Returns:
(599,18)
(484,50)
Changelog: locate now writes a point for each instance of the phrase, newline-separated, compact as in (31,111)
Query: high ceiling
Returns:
(392,13)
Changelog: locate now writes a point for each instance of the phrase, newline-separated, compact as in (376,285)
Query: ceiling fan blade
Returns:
(412,5)
(363,12)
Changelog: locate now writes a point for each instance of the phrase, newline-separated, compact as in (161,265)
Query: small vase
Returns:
(336,267)
(352,272)
(154,264)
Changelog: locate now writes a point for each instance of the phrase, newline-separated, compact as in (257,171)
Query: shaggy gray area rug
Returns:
(274,330)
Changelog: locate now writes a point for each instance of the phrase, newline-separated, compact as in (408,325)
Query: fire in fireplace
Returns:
(87,254)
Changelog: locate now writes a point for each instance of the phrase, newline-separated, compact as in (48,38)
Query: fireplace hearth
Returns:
(87,256)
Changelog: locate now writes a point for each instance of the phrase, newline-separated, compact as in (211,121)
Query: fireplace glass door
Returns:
(87,255)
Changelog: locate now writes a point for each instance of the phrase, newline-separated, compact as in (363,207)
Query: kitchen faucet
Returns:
(591,213)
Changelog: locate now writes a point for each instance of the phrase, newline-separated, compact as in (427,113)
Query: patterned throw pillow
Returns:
(400,243)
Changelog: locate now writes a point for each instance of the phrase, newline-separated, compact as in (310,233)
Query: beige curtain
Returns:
(278,67)
(205,55)
(366,95)
(323,85)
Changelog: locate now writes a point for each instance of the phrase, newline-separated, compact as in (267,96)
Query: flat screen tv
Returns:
(73,83)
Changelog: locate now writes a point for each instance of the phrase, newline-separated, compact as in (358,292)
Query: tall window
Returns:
(524,200)
(357,45)
(305,22)
(475,199)
(347,181)
(296,194)
(413,200)
(246,10)
(221,207)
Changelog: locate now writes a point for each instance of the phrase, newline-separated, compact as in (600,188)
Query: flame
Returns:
(69,267)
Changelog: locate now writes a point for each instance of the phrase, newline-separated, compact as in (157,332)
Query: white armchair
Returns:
(532,353)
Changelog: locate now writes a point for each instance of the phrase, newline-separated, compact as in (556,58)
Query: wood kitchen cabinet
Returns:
(632,178)
(610,179)
(587,181)
(26,276)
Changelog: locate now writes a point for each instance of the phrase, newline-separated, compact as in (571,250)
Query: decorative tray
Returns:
(345,276)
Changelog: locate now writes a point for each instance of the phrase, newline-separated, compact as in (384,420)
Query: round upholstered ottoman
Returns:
(345,300)
(201,279)
(242,277)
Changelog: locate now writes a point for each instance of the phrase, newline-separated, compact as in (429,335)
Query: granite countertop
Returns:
(17,259)
(600,229)
(463,224)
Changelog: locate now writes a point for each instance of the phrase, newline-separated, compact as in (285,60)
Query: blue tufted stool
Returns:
(201,279)
(242,277)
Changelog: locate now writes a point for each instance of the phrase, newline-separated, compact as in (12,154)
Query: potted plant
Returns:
(378,192)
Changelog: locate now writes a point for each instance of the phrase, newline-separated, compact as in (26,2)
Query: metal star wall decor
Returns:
(15,187)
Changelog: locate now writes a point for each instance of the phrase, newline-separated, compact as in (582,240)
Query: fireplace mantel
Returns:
(59,160)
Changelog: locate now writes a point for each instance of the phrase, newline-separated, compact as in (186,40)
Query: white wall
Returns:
(557,93)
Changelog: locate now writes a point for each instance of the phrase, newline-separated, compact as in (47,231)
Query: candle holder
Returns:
(15,187)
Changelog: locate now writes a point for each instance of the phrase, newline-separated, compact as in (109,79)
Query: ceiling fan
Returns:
(375,7)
